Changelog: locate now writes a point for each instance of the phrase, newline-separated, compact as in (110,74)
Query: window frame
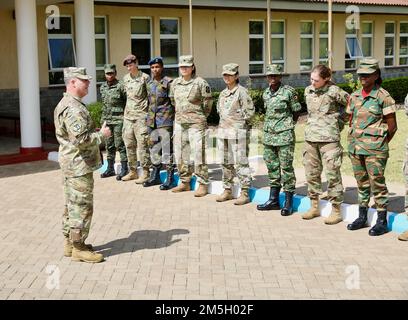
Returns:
(280,36)
(257,36)
(103,37)
(307,36)
(170,36)
(390,35)
(352,57)
(404,35)
(368,35)
(143,37)
(323,36)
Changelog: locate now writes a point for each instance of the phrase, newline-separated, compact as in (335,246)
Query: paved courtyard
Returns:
(160,245)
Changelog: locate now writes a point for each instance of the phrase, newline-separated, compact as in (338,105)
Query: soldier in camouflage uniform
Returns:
(236,110)
(372,126)
(326,104)
(404,235)
(192,99)
(79,156)
(114,100)
(135,133)
(282,110)
(160,118)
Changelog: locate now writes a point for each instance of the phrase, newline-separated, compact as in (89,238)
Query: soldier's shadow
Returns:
(139,240)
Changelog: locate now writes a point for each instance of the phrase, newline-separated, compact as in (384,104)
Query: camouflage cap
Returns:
(186,61)
(109,68)
(368,66)
(75,72)
(273,69)
(230,68)
(129,59)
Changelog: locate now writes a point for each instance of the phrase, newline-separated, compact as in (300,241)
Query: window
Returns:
(101,47)
(367,39)
(403,44)
(61,52)
(141,37)
(353,49)
(169,45)
(389,43)
(278,43)
(306,45)
(324,42)
(256,47)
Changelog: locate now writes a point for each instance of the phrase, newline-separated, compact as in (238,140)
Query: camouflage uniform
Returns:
(114,101)
(79,156)
(279,136)
(326,118)
(236,109)
(135,133)
(405,169)
(368,145)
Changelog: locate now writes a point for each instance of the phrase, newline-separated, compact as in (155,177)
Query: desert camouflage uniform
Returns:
(279,136)
(368,145)
(193,101)
(236,109)
(326,118)
(405,169)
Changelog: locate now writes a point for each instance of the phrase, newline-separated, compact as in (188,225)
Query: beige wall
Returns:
(220,37)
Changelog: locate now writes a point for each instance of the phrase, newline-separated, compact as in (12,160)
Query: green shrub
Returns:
(397,88)
(95,109)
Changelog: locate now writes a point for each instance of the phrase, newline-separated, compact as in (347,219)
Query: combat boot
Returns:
(154,179)
(403,236)
(144,177)
(110,171)
(132,175)
(361,221)
(183,186)
(168,184)
(313,211)
(287,209)
(68,247)
(81,253)
(380,226)
(273,202)
(124,170)
(201,191)
(225,196)
(243,198)
(335,215)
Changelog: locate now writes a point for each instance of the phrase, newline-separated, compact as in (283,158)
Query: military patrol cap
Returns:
(129,59)
(368,66)
(75,72)
(186,61)
(273,70)
(109,68)
(230,69)
(158,60)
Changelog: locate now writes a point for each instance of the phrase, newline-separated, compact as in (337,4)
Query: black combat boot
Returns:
(110,171)
(169,183)
(380,226)
(154,178)
(124,170)
(361,221)
(273,202)
(287,210)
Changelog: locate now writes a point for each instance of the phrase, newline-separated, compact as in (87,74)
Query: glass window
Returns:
(306,45)
(353,49)
(101,47)
(323,42)
(389,43)
(403,43)
(169,42)
(141,41)
(367,39)
(278,43)
(256,47)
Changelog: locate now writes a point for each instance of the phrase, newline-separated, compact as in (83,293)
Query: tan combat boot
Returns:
(183,186)
(201,191)
(243,198)
(314,210)
(225,196)
(80,252)
(335,215)
(145,177)
(403,236)
(132,175)
(68,247)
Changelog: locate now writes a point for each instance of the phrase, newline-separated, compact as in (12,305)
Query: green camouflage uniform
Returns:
(368,146)
(326,118)
(135,133)
(160,120)
(114,101)
(193,101)
(79,156)
(279,136)
(405,169)
(236,109)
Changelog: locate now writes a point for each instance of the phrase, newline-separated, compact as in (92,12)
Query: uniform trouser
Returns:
(136,141)
(115,142)
(78,192)
(329,155)
(405,170)
(161,145)
(235,161)
(189,141)
(279,162)
(369,173)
